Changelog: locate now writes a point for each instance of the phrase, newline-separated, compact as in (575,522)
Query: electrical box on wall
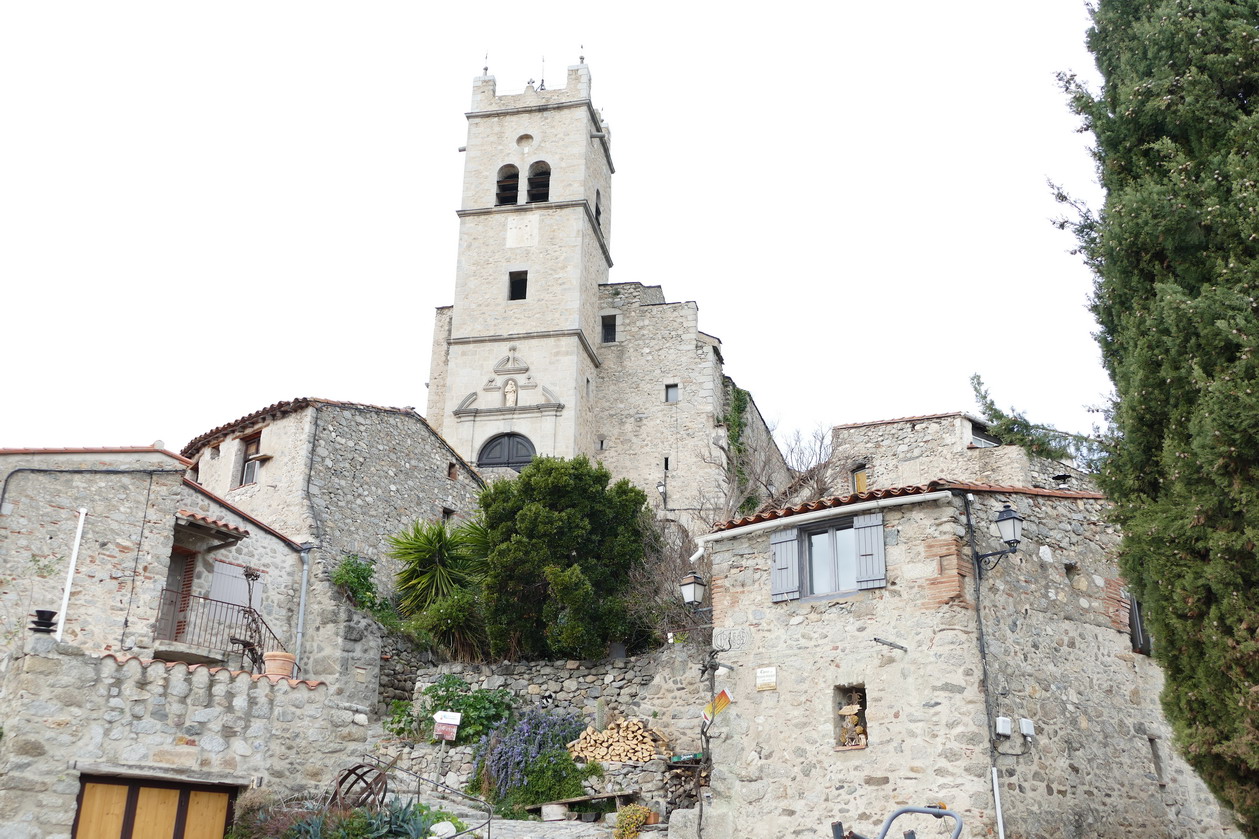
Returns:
(1003,727)
(1027,728)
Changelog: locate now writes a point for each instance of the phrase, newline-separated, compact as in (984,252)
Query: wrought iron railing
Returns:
(215,625)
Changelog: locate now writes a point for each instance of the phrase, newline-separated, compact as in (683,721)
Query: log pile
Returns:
(682,786)
(625,740)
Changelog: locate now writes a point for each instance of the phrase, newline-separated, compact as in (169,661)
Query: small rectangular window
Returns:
(452,471)
(671,393)
(666,464)
(251,448)
(860,479)
(609,329)
(588,391)
(518,285)
(850,717)
(603,444)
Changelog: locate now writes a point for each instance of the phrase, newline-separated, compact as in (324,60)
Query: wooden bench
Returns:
(622,797)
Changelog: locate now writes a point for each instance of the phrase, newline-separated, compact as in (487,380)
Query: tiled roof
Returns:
(216,523)
(898,492)
(123,659)
(914,419)
(102,450)
(191,484)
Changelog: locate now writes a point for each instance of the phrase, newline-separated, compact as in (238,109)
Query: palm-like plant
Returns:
(437,561)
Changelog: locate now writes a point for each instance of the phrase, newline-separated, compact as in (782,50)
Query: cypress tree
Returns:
(1175,249)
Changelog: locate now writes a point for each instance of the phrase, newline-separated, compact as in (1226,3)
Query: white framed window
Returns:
(842,555)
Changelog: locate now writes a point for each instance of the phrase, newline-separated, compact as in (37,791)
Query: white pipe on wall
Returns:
(74,560)
(996,794)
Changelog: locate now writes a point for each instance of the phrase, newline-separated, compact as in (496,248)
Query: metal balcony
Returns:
(201,630)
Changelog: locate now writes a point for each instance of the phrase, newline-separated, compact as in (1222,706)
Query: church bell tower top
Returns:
(576,89)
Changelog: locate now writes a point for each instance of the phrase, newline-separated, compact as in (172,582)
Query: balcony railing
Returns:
(215,625)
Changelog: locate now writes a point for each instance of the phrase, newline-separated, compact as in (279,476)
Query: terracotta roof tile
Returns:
(937,485)
(101,450)
(217,523)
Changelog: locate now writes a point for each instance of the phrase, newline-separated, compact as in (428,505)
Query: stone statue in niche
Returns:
(509,394)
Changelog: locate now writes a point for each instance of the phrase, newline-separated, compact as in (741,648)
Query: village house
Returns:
(873,668)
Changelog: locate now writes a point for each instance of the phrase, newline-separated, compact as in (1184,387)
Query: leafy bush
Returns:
(629,820)
(527,762)
(402,720)
(482,710)
(437,562)
(455,625)
(354,576)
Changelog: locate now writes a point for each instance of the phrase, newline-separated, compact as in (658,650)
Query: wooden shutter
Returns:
(871,562)
(784,573)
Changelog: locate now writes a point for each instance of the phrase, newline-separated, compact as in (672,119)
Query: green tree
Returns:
(562,543)
(1176,252)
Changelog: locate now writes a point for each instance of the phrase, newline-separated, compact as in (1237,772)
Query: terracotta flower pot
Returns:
(279,663)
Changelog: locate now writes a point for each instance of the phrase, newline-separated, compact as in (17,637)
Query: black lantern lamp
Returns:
(1010,526)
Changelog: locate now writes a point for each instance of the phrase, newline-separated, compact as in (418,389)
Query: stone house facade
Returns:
(873,668)
(158,564)
(540,354)
(340,478)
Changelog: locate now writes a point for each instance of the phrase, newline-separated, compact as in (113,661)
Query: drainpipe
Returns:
(74,560)
(301,606)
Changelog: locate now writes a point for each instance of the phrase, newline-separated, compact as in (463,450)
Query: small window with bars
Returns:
(507,190)
(539,183)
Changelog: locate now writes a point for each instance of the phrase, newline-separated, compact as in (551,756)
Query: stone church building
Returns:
(541,354)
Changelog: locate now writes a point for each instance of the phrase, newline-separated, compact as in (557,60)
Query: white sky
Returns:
(207,208)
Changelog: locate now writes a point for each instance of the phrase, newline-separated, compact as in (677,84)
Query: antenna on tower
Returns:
(581,59)
(486,69)
(542,85)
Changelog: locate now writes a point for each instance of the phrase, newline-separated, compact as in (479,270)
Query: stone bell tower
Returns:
(514,364)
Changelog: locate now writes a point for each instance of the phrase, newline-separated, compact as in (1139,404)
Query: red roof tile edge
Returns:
(839,501)
(309,683)
(101,450)
(222,525)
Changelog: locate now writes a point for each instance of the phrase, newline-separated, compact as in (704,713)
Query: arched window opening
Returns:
(539,182)
(508,186)
(598,210)
(512,451)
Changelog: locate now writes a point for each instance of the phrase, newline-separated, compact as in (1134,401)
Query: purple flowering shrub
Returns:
(526,761)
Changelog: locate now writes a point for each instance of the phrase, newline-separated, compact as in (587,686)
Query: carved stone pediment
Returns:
(511,364)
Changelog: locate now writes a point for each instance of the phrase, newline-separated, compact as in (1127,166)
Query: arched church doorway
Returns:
(513,451)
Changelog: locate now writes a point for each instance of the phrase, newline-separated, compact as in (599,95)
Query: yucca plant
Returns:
(437,561)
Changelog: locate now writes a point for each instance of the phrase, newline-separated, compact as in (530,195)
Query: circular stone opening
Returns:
(524,141)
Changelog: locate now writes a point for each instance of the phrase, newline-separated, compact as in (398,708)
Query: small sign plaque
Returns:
(449,717)
(445,731)
(767,678)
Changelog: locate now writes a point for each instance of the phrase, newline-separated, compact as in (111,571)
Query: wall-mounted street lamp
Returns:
(663,489)
(1010,526)
(693,587)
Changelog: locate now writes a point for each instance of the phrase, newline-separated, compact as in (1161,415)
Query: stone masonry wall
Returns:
(661,688)
(67,713)
(1102,763)
(1057,652)
(915,451)
(132,502)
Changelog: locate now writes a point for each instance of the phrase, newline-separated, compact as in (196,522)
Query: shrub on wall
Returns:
(526,761)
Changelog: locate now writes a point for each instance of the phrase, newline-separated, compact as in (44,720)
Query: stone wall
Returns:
(133,522)
(662,688)
(67,713)
(917,450)
(400,665)
(1056,652)
(1102,763)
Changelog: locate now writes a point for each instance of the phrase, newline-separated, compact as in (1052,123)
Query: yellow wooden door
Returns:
(151,810)
(101,811)
(207,815)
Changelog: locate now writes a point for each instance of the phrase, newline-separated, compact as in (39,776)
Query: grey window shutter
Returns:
(784,572)
(871,562)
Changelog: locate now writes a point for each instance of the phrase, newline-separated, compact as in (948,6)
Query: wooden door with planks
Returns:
(135,808)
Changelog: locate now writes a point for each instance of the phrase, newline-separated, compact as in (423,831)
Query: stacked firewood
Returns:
(625,740)
(682,786)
